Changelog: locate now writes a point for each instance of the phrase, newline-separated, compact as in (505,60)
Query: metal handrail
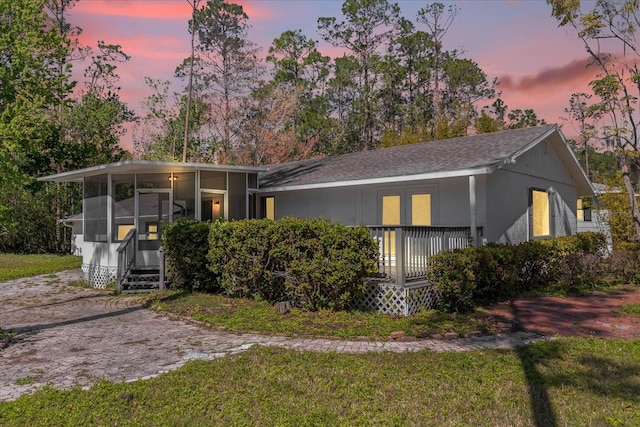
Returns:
(126,257)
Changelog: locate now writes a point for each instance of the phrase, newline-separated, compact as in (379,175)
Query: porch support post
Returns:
(400,256)
(246,195)
(197,214)
(472,210)
(110,218)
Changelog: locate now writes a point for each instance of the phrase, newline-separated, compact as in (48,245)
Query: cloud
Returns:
(137,9)
(162,9)
(577,71)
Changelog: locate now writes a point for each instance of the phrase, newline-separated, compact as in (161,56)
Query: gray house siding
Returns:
(338,204)
(362,204)
(509,193)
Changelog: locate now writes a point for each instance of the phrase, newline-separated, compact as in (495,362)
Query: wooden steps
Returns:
(141,279)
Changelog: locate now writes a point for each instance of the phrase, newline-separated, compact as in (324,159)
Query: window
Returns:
(95,208)
(421,209)
(390,210)
(152,231)
(269,208)
(582,213)
(540,212)
(390,216)
(123,206)
(122,231)
(579,211)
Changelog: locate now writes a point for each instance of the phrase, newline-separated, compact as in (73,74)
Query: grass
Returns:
(631,309)
(26,380)
(569,381)
(243,315)
(560,382)
(14,266)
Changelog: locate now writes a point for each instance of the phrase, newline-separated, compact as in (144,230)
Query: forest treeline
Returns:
(392,82)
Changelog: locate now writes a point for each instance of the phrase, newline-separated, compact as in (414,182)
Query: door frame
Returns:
(225,213)
(136,217)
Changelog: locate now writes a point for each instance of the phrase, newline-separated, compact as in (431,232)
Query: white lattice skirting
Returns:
(392,299)
(98,276)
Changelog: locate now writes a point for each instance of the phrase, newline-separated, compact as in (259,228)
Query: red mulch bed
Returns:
(596,315)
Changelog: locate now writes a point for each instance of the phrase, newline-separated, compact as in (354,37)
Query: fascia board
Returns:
(513,157)
(129,166)
(383,180)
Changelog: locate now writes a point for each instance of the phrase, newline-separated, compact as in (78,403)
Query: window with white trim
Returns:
(540,213)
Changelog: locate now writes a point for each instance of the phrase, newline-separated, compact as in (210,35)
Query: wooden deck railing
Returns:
(126,256)
(405,250)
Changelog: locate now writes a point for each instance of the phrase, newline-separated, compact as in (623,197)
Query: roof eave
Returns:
(589,189)
(512,158)
(80,174)
(382,180)
(583,183)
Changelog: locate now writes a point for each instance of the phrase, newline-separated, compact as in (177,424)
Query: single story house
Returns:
(505,187)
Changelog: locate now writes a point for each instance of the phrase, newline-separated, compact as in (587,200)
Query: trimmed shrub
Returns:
(326,264)
(315,264)
(623,267)
(453,276)
(496,273)
(587,243)
(487,274)
(537,265)
(581,271)
(185,243)
(240,254)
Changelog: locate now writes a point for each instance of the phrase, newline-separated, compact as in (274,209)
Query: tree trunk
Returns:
(628,186)
(190,92)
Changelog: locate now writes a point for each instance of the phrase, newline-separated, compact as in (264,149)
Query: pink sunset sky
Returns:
(538,64)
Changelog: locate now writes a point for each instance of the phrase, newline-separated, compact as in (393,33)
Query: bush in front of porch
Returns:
(315,264)
(186,244)
(466,278)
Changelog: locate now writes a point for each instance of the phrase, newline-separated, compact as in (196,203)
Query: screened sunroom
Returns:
(127,204)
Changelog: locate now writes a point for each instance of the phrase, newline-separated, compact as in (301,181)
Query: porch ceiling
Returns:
(145,166)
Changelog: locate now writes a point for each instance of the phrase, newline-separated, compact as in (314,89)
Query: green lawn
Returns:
(14,266)
(561,382)
(242,315)
(576,382)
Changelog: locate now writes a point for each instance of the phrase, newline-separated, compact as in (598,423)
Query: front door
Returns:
(152,212)
(212,205)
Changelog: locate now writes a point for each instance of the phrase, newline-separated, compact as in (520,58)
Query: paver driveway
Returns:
(72,336)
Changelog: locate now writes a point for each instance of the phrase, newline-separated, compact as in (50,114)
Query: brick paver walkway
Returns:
(72,336)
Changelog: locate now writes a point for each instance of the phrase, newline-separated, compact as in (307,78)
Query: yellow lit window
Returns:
(390,216)
(152,231)
(541,217)
(421,209)
(270,208)
(391,210)
(579,211)
(123,229)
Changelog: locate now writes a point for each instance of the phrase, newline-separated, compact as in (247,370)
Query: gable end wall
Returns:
(508,192)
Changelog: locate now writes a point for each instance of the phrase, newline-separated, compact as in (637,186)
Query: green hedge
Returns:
(487,274)
(185,243)
(316,264)
(240,256)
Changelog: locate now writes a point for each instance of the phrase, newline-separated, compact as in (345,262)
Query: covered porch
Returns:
(403,264)
(127,204)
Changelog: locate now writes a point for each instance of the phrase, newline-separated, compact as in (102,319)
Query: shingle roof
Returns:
(456,154)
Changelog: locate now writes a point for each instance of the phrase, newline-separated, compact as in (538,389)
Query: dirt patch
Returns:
(596,315)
